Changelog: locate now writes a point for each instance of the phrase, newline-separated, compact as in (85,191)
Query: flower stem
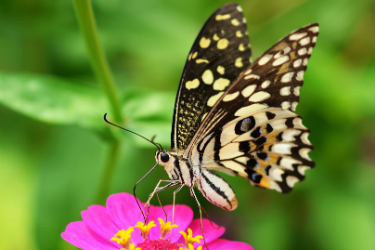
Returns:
(98,60)
(103,73)
(108,172)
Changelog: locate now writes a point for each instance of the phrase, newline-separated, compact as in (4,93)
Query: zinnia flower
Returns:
(119,226)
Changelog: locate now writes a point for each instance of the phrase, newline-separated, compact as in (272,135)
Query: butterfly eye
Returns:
(164,157)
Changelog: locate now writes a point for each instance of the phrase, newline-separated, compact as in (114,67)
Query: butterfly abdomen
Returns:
(216,190)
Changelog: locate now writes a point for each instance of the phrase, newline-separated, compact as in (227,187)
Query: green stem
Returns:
(114,154)
(103,73)
(98,60)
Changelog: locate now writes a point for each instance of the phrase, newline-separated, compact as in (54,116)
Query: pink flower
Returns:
(119,226)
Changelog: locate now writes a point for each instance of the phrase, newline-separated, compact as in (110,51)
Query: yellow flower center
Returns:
(165,228)
(145,229)
(189,239)
(122,237)
(131,247)
(190,247)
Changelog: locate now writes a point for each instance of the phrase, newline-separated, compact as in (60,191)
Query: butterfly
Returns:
(236,116)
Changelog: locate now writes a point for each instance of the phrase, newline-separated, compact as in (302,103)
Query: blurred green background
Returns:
(54,143)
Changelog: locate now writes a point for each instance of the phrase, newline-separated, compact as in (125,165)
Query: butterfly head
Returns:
(167,160)
(162,157)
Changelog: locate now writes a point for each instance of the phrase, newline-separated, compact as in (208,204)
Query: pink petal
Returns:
(211,231)
(97,219)
(221,244)
(125,213)
(183,217)
(78,234)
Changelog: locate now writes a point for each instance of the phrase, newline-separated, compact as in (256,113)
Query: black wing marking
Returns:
(270,148)
(269,88)
(219,54)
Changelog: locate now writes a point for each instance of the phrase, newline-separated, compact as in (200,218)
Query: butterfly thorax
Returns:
(212,186)
(177,168)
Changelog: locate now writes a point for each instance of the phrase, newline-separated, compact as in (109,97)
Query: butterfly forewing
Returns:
(252,130)
(219,54)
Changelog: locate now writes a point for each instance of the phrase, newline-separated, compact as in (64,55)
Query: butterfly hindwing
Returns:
(269,147)
(219,54)
(252,130)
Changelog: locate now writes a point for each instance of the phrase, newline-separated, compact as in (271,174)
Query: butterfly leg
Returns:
(174,203)
(156,190)
(200,214)
(170,185)
(174,199)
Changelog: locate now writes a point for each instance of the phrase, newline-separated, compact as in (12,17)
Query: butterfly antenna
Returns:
(160,146)
(153,138)
(151,141)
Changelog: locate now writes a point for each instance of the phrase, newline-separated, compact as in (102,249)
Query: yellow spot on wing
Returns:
(221,84)
(208,77)
(249,109)
(265,59)
(230,97)
(246,92)
(216,37)
(222,43)
(235,22)
(285,105)
(259,96)
(238,33)
(241,47)
(251,76)
(299,76)
(291,180)
(192,84)
(293,55)
(221,69)
(287,77)
(213,99)
(297,36)
(280,60)
(195,55)
(202,61)
(285,91)
(204,42)
(296,90)
(314,29)
(238,62)
(222,17)
(265,84)
(283,69)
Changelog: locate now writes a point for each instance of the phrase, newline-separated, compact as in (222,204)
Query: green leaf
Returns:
(144,104)
(148,113)
(53,100)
